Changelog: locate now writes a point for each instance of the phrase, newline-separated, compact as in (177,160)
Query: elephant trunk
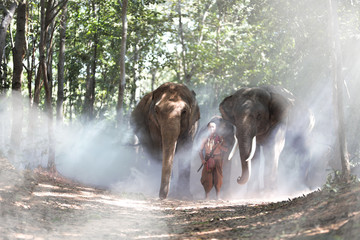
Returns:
(169,141)
(247,151)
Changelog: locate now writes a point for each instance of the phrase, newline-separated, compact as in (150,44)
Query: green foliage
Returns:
(224,45)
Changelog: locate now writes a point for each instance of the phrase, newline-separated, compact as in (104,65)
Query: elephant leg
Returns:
(272,150)
(183,158)
(226,189)
(183,185)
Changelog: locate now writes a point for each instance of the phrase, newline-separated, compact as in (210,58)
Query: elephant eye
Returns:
(183,112)
(258,117)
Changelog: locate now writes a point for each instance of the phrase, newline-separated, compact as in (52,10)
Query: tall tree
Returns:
(18,56)
(120,102)
(61,65)
(338,83)
(5,22)
(91,70)
(49,10)
(20,46)
(50,54)
(191,39)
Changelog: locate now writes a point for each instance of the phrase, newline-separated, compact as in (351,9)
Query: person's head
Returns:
(212,127)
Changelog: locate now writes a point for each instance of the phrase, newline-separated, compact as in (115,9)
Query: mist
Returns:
(99,155)
(96,153)
(321,158)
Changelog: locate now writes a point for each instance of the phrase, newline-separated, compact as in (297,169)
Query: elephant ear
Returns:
(140,113)
(150,116)
(279,108)
(226,108)
(194,114)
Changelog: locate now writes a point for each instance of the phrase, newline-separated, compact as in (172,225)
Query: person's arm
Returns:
(201,152)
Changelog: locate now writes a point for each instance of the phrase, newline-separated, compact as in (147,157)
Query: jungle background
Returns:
(72,71)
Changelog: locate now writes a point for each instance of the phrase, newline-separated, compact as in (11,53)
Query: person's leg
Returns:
(218,176)
(206,181)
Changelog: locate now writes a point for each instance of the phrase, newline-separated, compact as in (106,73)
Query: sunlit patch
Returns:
(22,205)
(217,230)
(99,198)
(72,234)
(157,236)
(233,218)
(25,236)
(5,188)
(355,213)
(48,186)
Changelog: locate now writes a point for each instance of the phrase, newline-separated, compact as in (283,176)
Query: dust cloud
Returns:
(96,154)
(99,155)
(305,162)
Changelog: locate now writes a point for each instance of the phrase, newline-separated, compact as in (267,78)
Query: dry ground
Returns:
(36,206)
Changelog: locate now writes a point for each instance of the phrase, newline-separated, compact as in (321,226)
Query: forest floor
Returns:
(34,205)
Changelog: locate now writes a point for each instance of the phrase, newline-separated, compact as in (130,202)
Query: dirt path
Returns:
(36,206)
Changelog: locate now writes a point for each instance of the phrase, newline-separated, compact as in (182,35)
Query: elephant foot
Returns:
(163,193)
(162,196)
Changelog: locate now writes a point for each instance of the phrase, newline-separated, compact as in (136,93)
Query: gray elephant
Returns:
(165,122)
(261,116)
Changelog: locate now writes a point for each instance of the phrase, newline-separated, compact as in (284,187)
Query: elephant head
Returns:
(254,112)
(166,121)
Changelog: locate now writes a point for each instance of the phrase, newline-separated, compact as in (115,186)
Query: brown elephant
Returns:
(260,115)
(166,121)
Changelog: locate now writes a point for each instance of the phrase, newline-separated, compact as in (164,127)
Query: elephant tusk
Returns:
(233,148)
(253,148)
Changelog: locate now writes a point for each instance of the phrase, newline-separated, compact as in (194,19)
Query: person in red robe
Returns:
(213,147)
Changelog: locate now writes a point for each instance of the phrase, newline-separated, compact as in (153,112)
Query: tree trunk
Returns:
(182,42)
(30,68)
(119,108)
(30,59)
(20,46)
(90,83)
(47,16)
(49,10)
(18,56)
(338,82)
(135,75)
(50,55)
(189,67)
(70,96)
(61,67)
(3,30)
(45,22)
